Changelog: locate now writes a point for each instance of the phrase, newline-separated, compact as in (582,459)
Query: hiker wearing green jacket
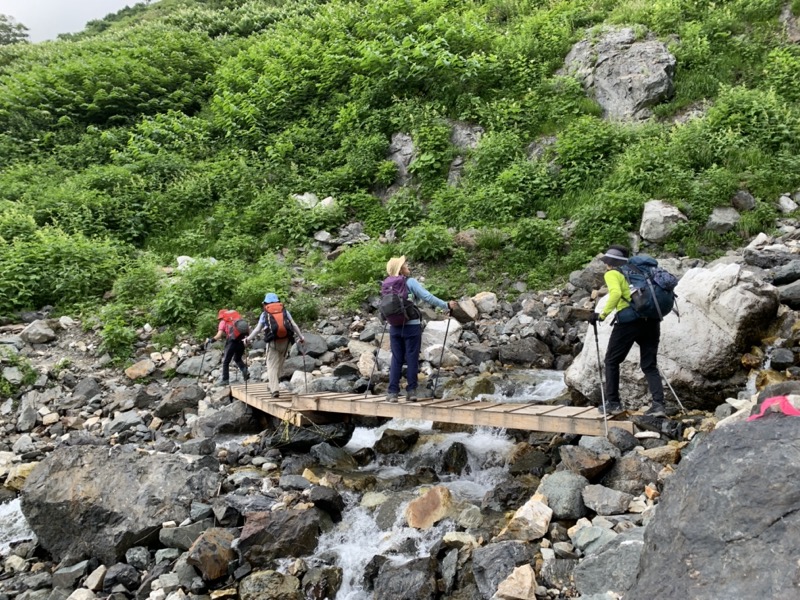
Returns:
(629,328)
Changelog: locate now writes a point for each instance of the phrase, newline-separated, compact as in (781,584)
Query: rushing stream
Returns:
(358,537)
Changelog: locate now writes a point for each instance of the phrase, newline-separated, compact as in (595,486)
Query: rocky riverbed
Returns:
(152,483)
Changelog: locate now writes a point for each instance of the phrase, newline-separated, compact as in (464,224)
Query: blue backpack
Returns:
(652,288)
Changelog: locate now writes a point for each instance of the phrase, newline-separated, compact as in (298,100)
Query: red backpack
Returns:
(278,323)
(235,326)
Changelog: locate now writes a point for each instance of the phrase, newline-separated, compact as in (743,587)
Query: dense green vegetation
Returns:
(185,127)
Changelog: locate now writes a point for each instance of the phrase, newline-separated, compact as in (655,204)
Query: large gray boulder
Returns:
(613,568)
(95,502)
(625,75)
(659,219)
(724,309)
(735,500)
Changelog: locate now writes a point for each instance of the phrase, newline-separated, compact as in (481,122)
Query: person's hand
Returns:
(594,318)
(209,341)
(452,304)
(302,340)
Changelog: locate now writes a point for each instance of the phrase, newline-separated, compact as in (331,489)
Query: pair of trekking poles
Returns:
(602,385)
(247,367)
(438,368)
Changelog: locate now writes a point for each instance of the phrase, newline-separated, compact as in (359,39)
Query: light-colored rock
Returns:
(520,585)
(722,219)
(485,302)
(626,76)
(143,368)
(17,475)
(94,581)
(38,332)
(666,455)
(429,509)
(786,205)
(530,521)
(659,219)
(434,333)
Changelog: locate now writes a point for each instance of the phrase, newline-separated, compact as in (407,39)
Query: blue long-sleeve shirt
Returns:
(416,290)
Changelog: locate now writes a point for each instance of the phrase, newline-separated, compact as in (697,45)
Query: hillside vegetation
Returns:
(185,127)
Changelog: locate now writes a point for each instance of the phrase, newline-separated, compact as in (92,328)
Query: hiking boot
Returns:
(656,410)
(411,396)
(276,394)
(611,409)
(391,397)
(222,382)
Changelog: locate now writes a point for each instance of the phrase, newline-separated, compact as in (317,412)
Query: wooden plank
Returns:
(535,417)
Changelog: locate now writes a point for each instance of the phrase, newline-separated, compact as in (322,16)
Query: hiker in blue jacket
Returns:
(406,339)
(629,328)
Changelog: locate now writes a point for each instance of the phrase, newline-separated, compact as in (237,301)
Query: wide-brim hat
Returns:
(614,257)
(395,264)
(270,298)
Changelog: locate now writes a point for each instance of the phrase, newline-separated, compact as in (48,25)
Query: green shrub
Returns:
(494,153)
(15,222)
(55,268)
(139,282)
(361,264)
(427,242)
(267,275)
(782,72)
(116,333)
(404,210)
(202,285)
(538,236)
(584,148)
(305,309)
(491,239)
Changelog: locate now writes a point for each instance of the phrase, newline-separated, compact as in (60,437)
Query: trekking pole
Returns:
(202,359)
(305,380)
(375,359)
(600,372)
(669,385)
(441,356)
(246,374)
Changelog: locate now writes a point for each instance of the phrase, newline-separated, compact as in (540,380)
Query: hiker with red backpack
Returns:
(235,330)
(633,323)
(280,331)
(405,325)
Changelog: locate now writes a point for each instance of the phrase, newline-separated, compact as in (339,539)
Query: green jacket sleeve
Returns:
(619,294)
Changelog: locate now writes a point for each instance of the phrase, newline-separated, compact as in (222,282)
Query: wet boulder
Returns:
(493,563)
(708,519)
(280,534)
(415,580)
(86,501)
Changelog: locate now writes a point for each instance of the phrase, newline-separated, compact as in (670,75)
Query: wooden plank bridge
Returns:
(304,409)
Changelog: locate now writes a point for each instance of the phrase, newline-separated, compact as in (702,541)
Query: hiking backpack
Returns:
(652,288)
(235,326)
(395,307)
(277,323)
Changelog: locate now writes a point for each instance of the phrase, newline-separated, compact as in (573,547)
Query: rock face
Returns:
(723,309)
(707,520)
(625,76)
(92,502)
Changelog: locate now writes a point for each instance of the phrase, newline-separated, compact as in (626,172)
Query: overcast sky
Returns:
(45,19)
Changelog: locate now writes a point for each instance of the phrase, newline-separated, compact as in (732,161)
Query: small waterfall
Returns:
(358,538)
(13,526)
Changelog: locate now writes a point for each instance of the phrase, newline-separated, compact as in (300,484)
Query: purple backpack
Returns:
(395,307)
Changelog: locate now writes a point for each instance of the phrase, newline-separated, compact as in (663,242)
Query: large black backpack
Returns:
(652,288)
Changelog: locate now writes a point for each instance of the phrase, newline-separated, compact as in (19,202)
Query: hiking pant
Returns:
(233,351)
(646,333)
(405,343)
(276,356)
